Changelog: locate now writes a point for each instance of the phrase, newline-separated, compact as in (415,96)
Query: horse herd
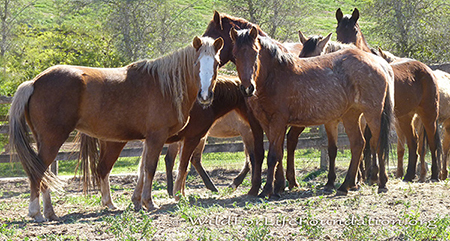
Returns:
(177,99)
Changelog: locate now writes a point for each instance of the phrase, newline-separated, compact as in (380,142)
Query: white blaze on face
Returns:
(206,74)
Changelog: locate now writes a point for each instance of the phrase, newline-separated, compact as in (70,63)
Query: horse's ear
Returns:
(382,54)
(254,32)
(218,44)
(339,15)
(233,34)
(322,43)
(217,19)
(302,37)
(355,14)
(197,43)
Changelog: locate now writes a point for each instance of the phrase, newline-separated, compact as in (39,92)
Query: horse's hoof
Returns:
(150,206)
(329,187)
(253,192)
(263,195)
(112,207)
(434,180)
(38,218)
(52,217)
(275,196)
(382,190)
(137,206)
(407,179)
(293,185)
(341,193)
(355,188)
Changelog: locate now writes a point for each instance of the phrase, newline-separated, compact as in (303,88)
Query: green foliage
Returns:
(130,225)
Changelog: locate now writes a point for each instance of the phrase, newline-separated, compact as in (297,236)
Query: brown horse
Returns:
(348,30)
(220,26)
(416,93)
(230,125)
(314,91)
(227,97)
(148,100)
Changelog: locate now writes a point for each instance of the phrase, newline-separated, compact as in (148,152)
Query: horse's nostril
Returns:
(251,88)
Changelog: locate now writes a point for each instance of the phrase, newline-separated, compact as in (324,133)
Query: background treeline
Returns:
(35,35)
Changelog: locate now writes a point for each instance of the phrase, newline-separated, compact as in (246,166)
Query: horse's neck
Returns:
(361,43)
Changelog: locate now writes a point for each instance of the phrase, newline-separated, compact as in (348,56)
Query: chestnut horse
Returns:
(227,97)
(148,100)
(416,93)
(410,77)
(220,26)
(314,91)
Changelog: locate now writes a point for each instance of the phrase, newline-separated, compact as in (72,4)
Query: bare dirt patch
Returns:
(306,212)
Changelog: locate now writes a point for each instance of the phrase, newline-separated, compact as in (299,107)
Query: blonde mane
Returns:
(172,71)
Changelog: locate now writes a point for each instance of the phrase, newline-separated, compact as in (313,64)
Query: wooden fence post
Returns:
(54,167)
(323,148)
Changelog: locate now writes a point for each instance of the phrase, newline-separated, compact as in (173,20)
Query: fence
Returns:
(134,148)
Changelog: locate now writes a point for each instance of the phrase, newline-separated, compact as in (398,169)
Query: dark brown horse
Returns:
(314,91)
(348,30)
(148,100)
(230,125)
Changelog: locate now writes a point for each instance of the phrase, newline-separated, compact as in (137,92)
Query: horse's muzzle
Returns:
(249,91)
(205,101)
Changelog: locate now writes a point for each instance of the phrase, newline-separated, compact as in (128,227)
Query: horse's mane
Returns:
(282,56)
(241,23)
(274,48)
(171,70)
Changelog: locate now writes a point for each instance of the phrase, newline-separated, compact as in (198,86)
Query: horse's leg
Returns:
(196,161)
(280,181)
(355,136)
(276,138)
(172,152)
(258,137)
(186,152)
(445,149)
(430,126)
(137,194)
(155,142)
(332,133)
(400,152)
(249,149)
(367,152)
(421,150)
(48,147)
(109,152)
(291,144)
(405,124)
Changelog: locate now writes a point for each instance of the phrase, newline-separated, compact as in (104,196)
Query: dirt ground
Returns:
(233,215)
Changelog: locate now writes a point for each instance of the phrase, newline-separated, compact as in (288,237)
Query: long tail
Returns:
(386,122)
(88,160)
(19,140)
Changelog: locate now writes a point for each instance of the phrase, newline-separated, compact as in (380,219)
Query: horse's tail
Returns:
(88,160)
(386,122)
(19,140)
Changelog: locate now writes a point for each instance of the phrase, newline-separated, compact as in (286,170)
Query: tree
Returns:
(413,28)
(281,19)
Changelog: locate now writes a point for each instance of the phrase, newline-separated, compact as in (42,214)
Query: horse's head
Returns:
(246,50)
(207,64)
(314,46)
(347,29)
(220,26)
